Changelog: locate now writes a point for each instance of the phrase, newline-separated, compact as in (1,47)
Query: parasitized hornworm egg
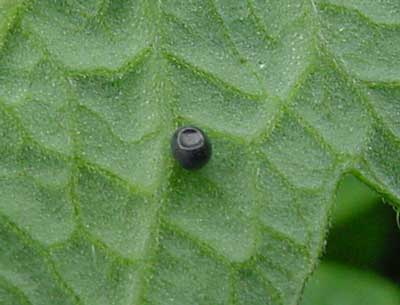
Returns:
(191,147)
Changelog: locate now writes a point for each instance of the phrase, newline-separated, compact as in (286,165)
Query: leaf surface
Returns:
(293,94)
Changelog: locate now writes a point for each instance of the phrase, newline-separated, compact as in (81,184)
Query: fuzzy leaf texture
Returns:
(93,209)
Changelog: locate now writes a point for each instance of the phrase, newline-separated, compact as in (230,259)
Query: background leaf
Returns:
(293,94)
(335,284)
(360,222)
(353,198)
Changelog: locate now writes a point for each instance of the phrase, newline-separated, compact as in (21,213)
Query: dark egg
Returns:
(191,147)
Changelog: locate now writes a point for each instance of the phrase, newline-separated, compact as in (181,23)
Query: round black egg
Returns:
(191,147)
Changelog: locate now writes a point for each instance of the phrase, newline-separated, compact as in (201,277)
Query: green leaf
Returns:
(360,223)
(370,237)
(353,199)
(293,95)
(335,284)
